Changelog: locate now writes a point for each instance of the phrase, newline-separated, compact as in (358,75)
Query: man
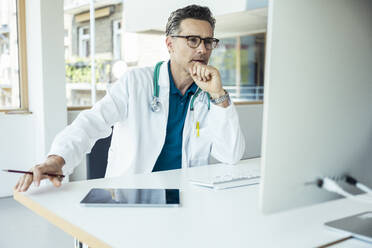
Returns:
(169,126)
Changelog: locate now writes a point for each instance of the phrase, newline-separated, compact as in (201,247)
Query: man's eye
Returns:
(193,40)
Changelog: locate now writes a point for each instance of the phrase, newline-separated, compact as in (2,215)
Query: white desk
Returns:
(207,217)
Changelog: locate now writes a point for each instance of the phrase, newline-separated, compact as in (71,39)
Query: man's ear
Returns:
(169,43)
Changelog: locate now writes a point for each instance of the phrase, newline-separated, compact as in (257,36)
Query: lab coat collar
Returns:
(164,81)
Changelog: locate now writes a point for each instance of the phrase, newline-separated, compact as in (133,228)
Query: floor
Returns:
(20,227)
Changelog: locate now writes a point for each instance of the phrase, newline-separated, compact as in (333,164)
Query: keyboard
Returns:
(229,179)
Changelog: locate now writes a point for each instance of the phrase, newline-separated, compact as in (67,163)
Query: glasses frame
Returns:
(187,37)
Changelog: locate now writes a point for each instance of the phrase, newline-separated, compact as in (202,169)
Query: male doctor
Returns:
(175,123)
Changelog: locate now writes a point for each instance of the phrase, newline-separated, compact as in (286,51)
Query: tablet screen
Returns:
(131,197)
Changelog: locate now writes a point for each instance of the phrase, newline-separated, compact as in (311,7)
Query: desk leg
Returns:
(78,244)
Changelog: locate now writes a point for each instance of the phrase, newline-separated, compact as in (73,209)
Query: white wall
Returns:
(45,34)
(25,139)
(250,117)
(157,14)
(17,138)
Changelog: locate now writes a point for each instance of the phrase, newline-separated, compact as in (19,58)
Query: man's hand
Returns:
(53,164)
(208,79)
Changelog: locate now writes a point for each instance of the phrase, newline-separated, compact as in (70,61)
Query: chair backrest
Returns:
(97,159)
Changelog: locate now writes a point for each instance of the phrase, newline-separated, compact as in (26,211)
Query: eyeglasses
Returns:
(194,41)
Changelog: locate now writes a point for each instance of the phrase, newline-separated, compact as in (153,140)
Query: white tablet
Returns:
(111,197)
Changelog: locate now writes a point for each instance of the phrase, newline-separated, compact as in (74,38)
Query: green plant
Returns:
(79,71)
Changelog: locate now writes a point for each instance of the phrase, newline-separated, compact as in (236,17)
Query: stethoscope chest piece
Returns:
(155,104)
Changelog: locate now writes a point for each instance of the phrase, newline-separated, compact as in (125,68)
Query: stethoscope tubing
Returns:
(155,103)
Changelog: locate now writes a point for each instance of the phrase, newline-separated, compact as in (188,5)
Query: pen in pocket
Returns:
(197,129)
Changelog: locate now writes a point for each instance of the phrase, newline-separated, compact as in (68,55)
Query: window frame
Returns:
(22,61)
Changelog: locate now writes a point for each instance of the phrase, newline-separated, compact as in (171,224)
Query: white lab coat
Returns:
(139,134)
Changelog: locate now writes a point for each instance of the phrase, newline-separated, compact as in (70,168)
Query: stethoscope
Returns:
(156,104)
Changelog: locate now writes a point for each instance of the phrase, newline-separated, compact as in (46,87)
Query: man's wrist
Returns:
(222,92)
(60,161)
(223,100)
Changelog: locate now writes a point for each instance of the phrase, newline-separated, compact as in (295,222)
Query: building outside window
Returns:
(115,51)
(108,16)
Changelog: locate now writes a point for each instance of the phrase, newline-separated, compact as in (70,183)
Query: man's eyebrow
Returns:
(211,37)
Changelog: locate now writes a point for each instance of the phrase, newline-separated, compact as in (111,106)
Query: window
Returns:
(241,64)
(116,37)
(84,42)
(13,74)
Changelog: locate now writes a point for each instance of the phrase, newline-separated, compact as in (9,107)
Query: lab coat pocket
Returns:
(200,147)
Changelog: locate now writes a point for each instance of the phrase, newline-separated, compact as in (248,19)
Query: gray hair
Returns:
(191,11)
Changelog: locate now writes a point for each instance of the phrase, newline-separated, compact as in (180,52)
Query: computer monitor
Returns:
(317,117)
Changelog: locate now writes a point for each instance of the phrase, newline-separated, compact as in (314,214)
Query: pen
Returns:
(197,129)
(31,173)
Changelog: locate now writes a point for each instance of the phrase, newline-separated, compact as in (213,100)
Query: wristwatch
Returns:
(221,98)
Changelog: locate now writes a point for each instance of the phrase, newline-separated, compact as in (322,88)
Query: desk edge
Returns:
(66,226)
